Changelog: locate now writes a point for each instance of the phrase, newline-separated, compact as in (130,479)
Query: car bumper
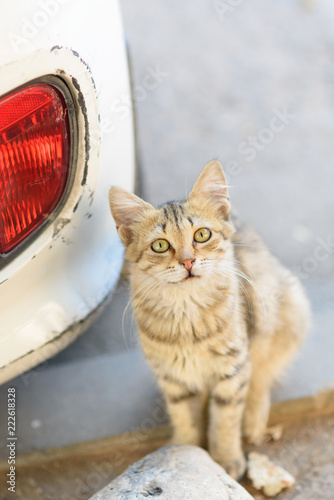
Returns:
(51,288)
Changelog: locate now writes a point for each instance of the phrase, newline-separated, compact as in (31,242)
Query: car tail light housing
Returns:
(35,157)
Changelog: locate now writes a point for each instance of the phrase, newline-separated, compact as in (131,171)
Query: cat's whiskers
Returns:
(147,294)
(174,271)
(150,288)
(255,287)
(245,244)
(145,283)
(244,276)
(245,291)
(123,321)
(229,273)
(214,266)
(236,261)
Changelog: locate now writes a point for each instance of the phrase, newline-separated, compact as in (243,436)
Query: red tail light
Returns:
(35,153)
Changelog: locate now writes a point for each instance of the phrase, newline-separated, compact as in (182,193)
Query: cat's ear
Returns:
(127,210)
(211,188)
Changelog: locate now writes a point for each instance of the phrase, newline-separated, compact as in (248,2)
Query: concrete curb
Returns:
(284,413)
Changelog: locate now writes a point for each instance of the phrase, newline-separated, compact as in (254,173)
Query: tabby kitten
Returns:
(218,316)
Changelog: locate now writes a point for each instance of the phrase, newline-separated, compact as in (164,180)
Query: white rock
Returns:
(266,475)
(174,473)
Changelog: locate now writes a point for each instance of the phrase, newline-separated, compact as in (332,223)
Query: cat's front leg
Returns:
(226,406)
(186,411)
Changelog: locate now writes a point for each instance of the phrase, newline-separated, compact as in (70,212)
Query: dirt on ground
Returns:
(306,450)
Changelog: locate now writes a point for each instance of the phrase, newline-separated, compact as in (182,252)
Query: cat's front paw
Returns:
(255,419)
(235,468)
(254,431)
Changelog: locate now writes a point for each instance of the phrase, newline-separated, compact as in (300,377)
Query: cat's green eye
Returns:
(160,246)
(202,235)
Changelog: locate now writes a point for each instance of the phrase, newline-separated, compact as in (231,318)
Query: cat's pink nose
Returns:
(188,264)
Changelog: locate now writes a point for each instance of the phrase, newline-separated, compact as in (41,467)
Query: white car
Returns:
(66,136)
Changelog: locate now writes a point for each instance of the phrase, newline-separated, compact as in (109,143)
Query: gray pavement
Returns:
(251,85)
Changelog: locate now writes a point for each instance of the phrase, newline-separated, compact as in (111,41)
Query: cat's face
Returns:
(178,243)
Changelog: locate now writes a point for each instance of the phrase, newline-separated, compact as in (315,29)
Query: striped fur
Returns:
(218,339)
